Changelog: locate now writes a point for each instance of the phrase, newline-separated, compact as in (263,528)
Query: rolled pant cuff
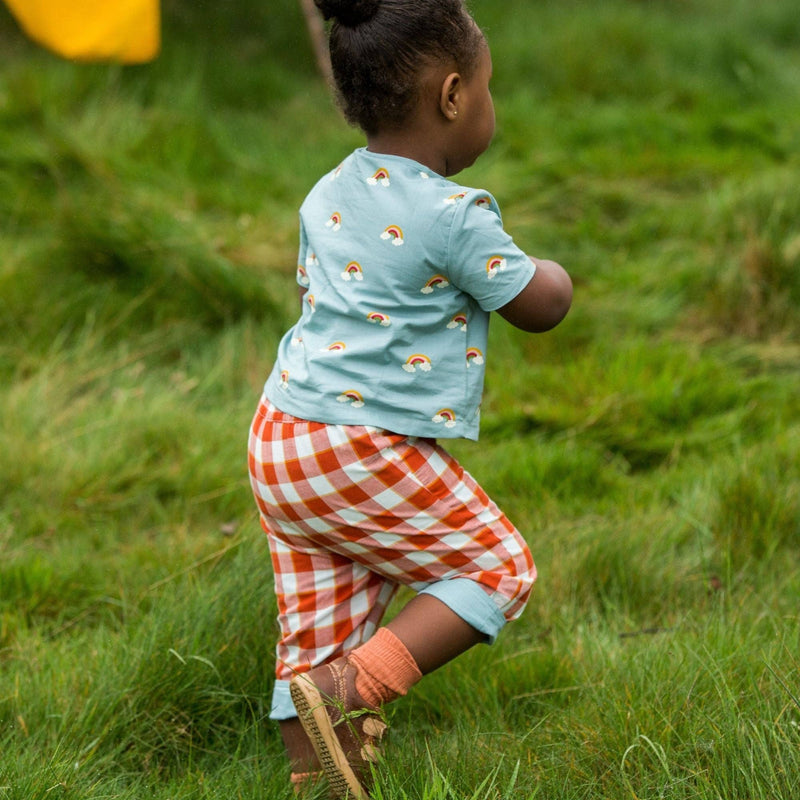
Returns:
(466,598)
(282,705)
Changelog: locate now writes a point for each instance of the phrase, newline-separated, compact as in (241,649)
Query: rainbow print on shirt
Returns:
(394,233)
(376,318)
(380,177)
(335,347)
(458,321)
(334,222)
(474,356)
(312,302)
(417,361)
(284,382)
(494,265)
(446,416)
(352,397)
(436,282)
(483,201)
(312,260)
(454,198)
(302,275)
(353,272)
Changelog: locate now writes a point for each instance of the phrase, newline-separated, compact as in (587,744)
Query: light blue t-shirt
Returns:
(402,268)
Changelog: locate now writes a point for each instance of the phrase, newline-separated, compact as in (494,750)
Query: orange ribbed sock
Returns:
(385,668)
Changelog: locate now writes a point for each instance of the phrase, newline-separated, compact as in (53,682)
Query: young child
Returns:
(399,271)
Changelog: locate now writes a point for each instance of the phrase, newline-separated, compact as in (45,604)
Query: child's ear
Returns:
(450,96)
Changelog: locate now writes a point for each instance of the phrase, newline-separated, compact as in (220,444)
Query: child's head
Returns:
(381,48)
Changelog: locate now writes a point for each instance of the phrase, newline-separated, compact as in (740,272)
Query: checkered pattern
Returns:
(352,512)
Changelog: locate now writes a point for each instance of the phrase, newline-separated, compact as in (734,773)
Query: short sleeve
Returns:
(483,259)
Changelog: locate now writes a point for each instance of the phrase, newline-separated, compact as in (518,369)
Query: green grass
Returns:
(649,448)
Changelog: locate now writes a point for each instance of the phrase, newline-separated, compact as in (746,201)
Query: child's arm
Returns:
(544,302)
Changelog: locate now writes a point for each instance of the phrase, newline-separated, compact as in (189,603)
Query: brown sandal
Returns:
(343,729)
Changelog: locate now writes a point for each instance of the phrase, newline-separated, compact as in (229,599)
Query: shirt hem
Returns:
(399,423)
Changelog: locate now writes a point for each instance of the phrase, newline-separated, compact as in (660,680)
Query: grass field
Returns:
(649,448)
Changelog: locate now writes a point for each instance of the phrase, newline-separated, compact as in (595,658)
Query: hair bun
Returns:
(349,13)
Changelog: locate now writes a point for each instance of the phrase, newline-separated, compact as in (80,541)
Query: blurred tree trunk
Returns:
(316,30)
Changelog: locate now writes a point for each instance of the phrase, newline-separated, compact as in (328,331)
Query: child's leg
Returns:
(302,758)
(327,605)
(471,566)
(433,633)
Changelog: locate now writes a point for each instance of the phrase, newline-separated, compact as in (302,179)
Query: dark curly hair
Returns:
(379,47)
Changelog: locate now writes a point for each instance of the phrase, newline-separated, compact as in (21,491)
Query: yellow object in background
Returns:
(128,31)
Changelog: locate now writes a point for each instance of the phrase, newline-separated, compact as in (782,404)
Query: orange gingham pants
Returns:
(351,513)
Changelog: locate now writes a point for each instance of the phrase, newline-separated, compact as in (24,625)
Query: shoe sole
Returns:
(316,723)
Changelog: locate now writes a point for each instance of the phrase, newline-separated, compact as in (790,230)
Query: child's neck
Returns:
(407,144)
